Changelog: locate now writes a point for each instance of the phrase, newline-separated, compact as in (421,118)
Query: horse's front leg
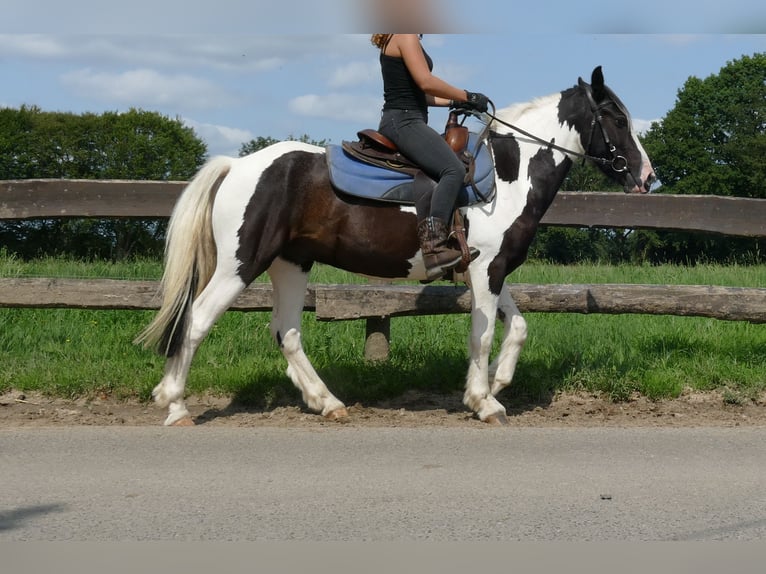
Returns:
(477,395)
(514,336)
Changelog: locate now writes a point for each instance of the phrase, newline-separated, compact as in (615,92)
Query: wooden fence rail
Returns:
(29,199)
(36,199)
(347,302)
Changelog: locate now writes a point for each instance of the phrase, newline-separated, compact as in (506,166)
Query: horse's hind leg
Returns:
(216,297)
(289,282)
(514,336)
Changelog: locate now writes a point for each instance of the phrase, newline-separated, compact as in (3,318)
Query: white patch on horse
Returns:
(237,191)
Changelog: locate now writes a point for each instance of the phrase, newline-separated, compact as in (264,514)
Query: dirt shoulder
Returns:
(411,410)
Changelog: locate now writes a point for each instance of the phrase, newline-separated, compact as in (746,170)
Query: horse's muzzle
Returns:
(643,184)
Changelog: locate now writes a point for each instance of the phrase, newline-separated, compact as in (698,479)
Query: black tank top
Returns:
(400,92)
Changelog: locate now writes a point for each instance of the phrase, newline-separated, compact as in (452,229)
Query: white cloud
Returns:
(146,88)
(253,53)
(342,107)
(355,74)
(642,126)
(220,140)
(33,45)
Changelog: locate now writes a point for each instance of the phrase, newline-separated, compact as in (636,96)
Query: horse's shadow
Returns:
(17,518)
(391,386)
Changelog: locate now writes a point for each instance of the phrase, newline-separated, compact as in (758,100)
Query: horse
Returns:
(277,211)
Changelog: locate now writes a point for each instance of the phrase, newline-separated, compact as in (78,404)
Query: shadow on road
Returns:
(10,519)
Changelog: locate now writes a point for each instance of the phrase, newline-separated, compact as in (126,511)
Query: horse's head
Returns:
(609,136)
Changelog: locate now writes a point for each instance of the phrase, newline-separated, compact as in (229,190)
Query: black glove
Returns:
(477,101)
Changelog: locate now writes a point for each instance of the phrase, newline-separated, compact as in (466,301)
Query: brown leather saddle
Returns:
(376,149)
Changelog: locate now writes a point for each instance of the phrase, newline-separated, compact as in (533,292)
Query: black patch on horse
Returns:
(546,179)
(570,113)
(507,155)
(266,222)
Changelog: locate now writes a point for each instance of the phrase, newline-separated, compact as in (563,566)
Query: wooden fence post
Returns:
(377,342)
(377,339)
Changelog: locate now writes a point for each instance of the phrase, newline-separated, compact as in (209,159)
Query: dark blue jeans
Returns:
(409,130)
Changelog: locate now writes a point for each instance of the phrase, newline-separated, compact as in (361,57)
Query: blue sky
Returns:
(237,70)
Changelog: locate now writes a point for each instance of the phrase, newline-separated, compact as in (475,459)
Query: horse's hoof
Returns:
(184,422)
(498,419)
(337,414)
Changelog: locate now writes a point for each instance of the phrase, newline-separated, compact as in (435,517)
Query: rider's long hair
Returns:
(380,40)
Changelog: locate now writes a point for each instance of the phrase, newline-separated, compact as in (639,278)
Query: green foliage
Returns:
(677,247)
(586,177)
(263,142)
(256,144)
(569,245)
(133,145)
(714,140)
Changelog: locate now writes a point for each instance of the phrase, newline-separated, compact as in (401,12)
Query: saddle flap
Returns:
(380,157)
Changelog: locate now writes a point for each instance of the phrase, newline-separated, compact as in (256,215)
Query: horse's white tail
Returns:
(190,258)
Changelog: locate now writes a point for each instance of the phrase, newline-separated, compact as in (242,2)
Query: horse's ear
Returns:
(597,83)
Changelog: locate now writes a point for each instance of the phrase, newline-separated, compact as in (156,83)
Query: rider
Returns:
(409,88)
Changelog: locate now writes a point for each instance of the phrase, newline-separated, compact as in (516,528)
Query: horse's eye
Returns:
(621,122)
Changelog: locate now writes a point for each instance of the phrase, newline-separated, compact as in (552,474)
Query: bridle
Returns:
(596,121)
(618,163)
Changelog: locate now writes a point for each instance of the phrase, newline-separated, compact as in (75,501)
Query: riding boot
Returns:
(438,258)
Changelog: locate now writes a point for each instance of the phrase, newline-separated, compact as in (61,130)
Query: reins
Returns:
(617,162)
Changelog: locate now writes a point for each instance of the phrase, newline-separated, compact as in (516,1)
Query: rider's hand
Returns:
(477,101)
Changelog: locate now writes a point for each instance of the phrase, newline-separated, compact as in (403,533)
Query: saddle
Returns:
(376,149)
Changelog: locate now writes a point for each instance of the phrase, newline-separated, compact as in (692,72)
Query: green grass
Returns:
(75,353)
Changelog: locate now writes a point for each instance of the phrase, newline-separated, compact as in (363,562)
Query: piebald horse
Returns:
(276,211)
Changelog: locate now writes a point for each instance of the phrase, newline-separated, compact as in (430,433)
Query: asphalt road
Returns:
(354,484)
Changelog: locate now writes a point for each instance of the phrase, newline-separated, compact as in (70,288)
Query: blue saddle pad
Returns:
(353,177)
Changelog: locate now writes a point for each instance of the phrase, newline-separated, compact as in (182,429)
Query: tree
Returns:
(133,145)
(587,177)
(713,141)
(262,142)
(256,144)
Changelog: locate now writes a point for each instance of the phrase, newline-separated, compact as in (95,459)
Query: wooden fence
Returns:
(41,198)
(34,199)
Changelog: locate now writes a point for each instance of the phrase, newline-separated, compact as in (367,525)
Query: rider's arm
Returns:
(412,54)
(438,102)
